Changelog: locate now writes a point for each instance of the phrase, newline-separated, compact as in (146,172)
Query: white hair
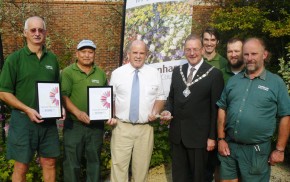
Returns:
(33,17)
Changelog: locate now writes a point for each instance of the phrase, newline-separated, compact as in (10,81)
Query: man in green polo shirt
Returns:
(81,137)
(210,40)
(235,58)
(28,132)
(248,108)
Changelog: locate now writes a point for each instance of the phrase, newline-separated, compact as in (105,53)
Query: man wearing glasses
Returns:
(195,88)
(28,131)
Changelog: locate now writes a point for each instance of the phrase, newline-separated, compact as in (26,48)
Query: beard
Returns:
(238,64)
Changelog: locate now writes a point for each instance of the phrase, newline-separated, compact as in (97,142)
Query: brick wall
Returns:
(70,22)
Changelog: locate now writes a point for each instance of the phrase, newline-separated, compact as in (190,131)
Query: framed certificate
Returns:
(49,99)
(100,102)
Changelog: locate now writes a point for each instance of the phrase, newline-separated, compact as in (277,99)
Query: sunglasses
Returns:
(40,30)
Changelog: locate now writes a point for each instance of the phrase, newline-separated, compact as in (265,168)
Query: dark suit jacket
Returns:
(195,116)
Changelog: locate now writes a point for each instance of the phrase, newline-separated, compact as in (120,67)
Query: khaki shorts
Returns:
(26,137)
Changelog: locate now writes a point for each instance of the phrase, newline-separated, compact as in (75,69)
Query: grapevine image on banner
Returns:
(163,25)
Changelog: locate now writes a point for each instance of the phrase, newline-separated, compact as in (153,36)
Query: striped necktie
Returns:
(189,78)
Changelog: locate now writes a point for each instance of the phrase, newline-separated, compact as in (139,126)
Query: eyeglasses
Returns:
(40,30)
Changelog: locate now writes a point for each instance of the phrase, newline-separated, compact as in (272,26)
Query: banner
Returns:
(163,25)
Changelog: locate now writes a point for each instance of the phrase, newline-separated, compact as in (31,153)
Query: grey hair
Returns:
(129,46)
(33,17)
(193,36)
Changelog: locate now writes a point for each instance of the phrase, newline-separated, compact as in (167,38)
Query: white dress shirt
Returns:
(151,89)
(196,67)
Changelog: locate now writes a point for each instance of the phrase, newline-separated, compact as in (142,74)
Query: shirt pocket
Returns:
(151,90)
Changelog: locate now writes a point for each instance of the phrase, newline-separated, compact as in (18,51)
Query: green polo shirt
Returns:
(217,61)
(227,73)
(22,69)
(74,83)
(253,105)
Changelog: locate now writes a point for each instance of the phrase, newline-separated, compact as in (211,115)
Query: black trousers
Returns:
(188,164)
(212,163)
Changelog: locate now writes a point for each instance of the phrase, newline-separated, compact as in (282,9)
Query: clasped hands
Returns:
(165,117)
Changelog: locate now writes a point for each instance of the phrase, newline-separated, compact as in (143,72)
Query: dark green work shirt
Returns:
(217,61)
(74,83)
(227,73)
(22,69)
(252,106)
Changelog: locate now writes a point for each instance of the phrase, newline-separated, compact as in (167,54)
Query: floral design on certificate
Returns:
(54,95)
(105,99)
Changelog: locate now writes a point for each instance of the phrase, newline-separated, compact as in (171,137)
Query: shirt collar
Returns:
(215,58)
(75,67)
(28,51)
(262,76)
(132,69)
(228,69)
(196,67)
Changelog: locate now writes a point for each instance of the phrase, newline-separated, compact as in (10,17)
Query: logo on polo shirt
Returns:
(48,67)
(95,81)
(263,87)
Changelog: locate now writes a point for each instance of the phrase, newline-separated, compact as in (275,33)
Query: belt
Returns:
(240,143)
(128,122)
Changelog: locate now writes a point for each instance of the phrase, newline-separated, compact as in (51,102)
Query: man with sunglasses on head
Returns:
(29,132)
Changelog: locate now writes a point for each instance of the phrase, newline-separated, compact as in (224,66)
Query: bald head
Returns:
(137,53)
(254,54)
(258,41)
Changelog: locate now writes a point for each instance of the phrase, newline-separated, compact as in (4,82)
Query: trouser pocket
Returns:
(260,156)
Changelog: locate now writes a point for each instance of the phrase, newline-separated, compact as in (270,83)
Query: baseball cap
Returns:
(86,43)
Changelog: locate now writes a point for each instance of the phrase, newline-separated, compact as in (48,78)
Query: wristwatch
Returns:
(219,139)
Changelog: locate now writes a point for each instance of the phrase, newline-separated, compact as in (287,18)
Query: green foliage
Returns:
(267,19)
(65,58)
(106,153)
(285,68)
(161,145)
(6,168)
(278,28)
(243,19)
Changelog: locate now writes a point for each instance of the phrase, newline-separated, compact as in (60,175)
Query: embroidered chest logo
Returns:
(263,88)
(48,67)
(95,81)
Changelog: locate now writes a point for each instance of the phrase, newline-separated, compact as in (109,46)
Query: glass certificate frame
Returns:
(100,101)
(49,103)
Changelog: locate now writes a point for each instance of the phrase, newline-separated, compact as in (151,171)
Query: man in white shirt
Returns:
(132,137)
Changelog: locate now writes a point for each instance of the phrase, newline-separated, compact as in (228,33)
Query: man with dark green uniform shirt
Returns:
(28,132)
(80,135)
(210,40)
(235,59)
(248,108)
